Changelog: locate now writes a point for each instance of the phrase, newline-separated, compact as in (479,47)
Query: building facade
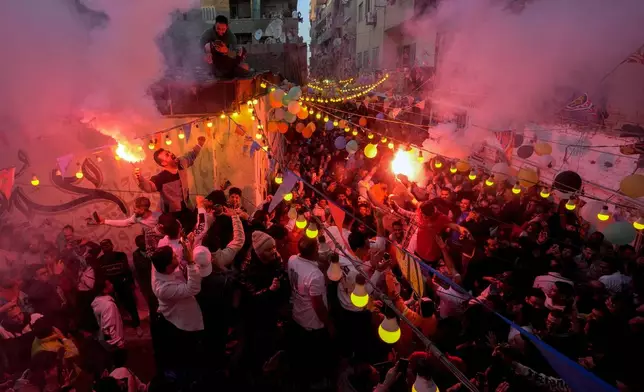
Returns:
(333,37)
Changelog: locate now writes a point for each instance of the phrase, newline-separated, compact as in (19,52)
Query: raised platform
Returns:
(180,98)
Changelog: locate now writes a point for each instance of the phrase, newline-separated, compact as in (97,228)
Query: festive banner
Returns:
(338,216)
(289,180)
(395,112)
(187,128)
(412,272)
(7,177)
(239,130)
(505,139)
(63,163)
(420,105)
(580,104)
(253,148)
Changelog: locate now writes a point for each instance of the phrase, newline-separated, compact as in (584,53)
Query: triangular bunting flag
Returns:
(420,105)
(395,112)
(187,128)
(289,180)
(240,130)
(63,163)
(7,177)
(254,147)
(338,216)
(357,105)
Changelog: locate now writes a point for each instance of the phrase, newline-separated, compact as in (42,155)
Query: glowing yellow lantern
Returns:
(222,116)
(371,150)
(359,296)
(516,189)
(288,196)
(300,222)
(151,145)
(453,169)
(472,175)
(263,85)
(389,331)
(79,174)
(370,136)
(181,135)
(258,136)
(571,204)
(336,123)
(279,179)
(209,124)
(168,141)
(355,132)
(255,101)
(545,193)
(312,231)
(639,224)
(383,140)
(35,181)
(390,146)
(326,119)
(318,116)
(489,181)
(603,215)
(347,129)
(334,272)
(235,114)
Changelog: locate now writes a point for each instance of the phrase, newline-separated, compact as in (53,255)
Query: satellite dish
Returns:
(294,14)
(275,28)
(258,34)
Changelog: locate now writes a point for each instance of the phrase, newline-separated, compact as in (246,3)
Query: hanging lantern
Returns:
(222,116)
(639,224)
(355,132)
(545,193)
(300,222)
(151,145)
(326,119)
(311,111)
(603,215)
(347,129)
(279,179)
(334,272)
(255,101)
(390,146)
(472,175)
(168,141)
(389,331)
(181,135)
(209,124)
(336,123)
(438,163)
(489,181)
(318,116)
(359,296)
(35,181)
(263,85)
(420,157)
(453,169)
(571,204)
(312,230)
(79,173)
(370,136)
(371,150)
(288,196)
(516,189)
(258,136)
(383,140)
(235,114)
(292,213)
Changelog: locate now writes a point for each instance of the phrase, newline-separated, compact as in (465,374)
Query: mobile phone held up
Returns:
(401,365)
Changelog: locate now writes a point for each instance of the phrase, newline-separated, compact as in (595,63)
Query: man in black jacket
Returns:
(116,269)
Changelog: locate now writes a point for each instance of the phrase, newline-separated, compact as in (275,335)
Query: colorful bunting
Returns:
(187,128)
(395,112)
(253,148)
(412,272)
(338,216)
(7,177)
(420,105)
(63,163)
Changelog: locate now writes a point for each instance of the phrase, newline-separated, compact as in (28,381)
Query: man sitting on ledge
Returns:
(220,44)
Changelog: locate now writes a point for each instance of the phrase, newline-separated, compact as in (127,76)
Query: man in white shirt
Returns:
(110,324)
(310,334)
(179,324)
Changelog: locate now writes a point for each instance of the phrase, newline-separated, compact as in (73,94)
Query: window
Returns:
(375,57)
(360,12)
(365,58)
(359,61)
(367,7)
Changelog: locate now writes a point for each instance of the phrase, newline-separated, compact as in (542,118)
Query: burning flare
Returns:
(405,163)
(129,152)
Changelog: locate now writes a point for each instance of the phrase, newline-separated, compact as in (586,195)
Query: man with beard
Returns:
(172,183)
(266,292)
(220,46)
(143,216)
(16,332)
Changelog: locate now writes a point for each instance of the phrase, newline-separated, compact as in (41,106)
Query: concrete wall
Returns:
(369,36)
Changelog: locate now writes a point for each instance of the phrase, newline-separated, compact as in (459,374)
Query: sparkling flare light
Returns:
(129,153)
(405,163)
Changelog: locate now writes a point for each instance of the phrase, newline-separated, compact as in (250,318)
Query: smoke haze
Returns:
(65,61)
(523,62)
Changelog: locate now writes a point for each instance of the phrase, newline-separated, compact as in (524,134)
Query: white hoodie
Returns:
(109,320)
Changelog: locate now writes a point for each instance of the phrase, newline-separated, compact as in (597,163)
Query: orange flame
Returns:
(129,152)
(405,163)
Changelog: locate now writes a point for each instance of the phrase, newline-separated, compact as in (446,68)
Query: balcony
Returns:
(249,26)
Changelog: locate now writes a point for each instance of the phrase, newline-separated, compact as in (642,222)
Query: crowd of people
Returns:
(252,301)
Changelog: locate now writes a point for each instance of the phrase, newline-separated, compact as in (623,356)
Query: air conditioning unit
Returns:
(371,18)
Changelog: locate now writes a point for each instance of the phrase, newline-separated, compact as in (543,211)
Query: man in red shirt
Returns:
(426,224)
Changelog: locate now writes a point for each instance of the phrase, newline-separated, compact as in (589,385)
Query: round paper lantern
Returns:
(340,142)
(299,127)
(307,132)
(620,233)
(542,148)
(311,125)
(501,171)
(328,126)
(632,186)
(289,117)
(282,127)
(380,116)
(343,124)
(272,126)
(302,114)
(567,181)
(527,177)
(362,122)
(278,114)
(518,140)
(352,147)
(462,166)
(371,150)
(294,107)
(525,152)
(546,161)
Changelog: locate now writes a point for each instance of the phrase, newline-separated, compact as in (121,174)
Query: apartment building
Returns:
(246,17)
